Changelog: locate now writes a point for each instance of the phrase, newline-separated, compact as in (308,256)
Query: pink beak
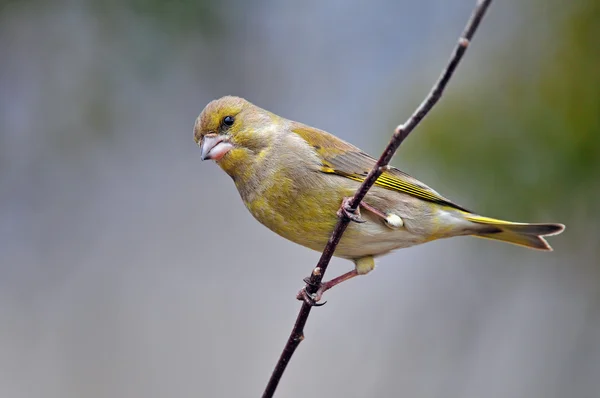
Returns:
(214,147)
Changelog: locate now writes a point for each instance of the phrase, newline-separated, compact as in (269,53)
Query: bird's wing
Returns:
(344,159)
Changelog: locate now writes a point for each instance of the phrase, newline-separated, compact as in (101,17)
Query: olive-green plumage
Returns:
(293,177)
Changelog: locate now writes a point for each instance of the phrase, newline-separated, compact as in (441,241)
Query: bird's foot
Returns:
(314,298)
(352,214)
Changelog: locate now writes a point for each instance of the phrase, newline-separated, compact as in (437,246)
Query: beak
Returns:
(214,147)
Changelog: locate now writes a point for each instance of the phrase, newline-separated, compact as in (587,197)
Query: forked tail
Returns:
(528,235)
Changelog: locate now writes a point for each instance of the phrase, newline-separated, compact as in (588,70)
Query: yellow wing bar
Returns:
(394,183)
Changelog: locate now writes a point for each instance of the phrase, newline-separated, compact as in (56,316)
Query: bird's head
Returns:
(233,132)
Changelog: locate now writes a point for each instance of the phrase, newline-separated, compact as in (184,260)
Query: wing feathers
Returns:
(346,160)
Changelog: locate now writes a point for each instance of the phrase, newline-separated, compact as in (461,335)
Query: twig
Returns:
(400,134)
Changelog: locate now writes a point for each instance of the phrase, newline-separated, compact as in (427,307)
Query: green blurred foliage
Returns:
(526,138)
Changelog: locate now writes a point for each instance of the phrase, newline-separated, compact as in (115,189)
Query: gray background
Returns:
(129,268)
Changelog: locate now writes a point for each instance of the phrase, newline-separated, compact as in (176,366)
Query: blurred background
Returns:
(129,268)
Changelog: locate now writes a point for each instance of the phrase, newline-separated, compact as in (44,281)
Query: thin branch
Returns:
(400,134)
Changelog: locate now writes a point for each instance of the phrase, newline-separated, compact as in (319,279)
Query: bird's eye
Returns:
(228,120)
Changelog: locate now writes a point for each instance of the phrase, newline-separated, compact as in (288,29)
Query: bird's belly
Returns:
(311,226)
(375,238)
(308,216)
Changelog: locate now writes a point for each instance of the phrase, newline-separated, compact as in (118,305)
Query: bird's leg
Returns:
(373,210)
(314,299)
(363,266)
(325,286)
(392,220)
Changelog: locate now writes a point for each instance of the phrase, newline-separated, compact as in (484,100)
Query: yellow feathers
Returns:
(339,157)
(523,234)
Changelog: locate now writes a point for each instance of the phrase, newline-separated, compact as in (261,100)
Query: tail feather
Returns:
(528,235)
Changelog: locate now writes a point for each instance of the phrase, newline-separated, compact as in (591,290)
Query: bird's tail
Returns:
(528,235)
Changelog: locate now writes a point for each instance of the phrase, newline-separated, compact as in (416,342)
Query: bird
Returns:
(293,178)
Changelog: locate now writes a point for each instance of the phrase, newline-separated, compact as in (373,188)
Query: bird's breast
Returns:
(302,210)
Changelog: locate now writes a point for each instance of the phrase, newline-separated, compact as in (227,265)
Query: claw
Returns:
(346,211)
(312,300)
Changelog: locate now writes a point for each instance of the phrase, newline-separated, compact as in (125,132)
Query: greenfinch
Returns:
(293,178)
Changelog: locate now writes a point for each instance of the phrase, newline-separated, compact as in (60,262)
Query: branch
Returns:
(400,134)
